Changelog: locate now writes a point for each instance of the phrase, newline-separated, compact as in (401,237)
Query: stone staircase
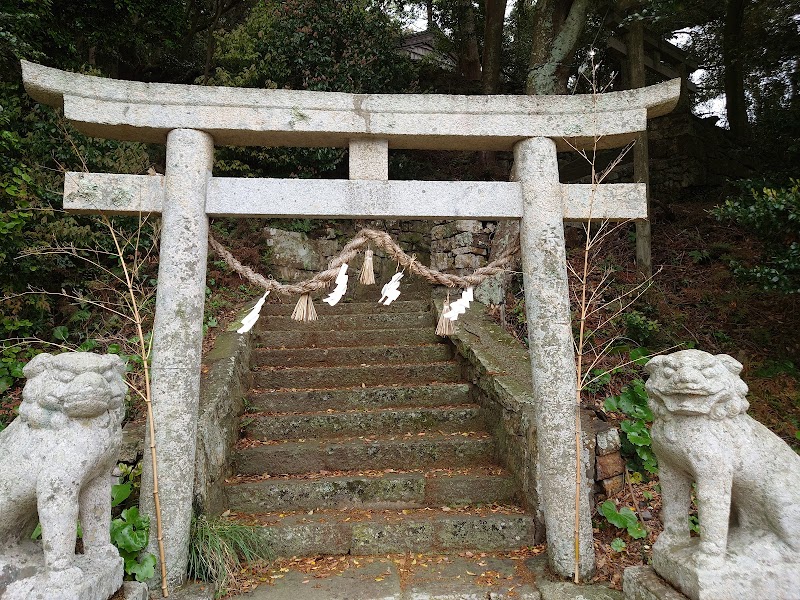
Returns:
(360,437)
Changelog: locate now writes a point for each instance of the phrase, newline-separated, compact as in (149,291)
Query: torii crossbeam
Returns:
(192,119)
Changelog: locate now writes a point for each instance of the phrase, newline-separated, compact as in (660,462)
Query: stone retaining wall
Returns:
(460,246)
(499,368)
(225,379)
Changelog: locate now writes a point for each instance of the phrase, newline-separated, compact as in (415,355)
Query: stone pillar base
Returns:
(755,566)
(134,590)
(643,583)
(90,577)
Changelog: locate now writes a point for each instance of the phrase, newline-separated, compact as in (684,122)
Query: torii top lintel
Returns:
(146,112)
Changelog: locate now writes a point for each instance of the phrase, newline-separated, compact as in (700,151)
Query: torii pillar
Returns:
(178,341)
(192,119)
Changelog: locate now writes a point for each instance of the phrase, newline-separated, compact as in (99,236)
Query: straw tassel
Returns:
(446,327)
(304,310)
(367,273)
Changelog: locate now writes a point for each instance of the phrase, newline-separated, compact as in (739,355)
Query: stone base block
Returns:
(643,583)
(24,577)
(754,567)
(196,591)
(134,590)
(613,485)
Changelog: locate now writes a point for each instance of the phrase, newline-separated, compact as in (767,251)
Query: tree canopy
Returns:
(749,50)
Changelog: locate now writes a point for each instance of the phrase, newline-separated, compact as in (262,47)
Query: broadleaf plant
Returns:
(636,442)
(624,518)
(130,533)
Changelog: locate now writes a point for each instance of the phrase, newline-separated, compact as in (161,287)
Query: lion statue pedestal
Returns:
(747,484)
(56,461)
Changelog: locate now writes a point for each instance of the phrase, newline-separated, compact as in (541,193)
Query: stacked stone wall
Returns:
(460,246)
(685,152)
(295,256)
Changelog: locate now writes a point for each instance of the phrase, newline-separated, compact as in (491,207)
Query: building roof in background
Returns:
(422,45)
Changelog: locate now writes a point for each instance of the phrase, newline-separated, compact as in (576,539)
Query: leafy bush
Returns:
(130,533)
(636,442)
(639,328)
(35,145)
(772,214)
(12,359)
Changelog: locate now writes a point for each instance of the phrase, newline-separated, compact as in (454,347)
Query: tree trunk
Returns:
(492,45)
(211,42)
(557,26)
(735,101)
(469,58)
(641,169)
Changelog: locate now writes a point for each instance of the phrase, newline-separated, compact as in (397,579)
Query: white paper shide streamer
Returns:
(391,290)
(460,306)
(251,317)
(341,286)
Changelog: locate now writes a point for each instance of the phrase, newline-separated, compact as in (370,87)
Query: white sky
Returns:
(715,106)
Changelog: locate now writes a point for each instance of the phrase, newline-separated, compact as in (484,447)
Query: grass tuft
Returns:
(218,549)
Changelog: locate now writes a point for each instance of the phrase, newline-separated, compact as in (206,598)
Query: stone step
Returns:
(327,424)
(310,338)
(359,398)
(480,576)
(334,377)
(318,357)
(385,490)
(349,308)
(420,451)
(392,531)
(348,322)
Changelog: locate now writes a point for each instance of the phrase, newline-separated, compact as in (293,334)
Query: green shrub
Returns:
(623,519)
(639,328)
(773,215)
(636,442)
(130,533)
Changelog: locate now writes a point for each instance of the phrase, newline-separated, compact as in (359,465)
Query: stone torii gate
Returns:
(191,120)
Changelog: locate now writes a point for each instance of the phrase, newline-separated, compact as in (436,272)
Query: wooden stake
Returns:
(144,352)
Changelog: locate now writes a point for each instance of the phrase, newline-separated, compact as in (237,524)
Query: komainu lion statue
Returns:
(747,484)
(56,461)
